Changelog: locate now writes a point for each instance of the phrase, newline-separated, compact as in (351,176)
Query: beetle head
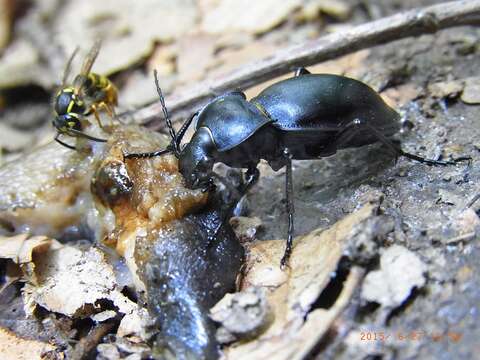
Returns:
(196,160)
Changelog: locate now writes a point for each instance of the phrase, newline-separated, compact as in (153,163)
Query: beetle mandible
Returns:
(306,117)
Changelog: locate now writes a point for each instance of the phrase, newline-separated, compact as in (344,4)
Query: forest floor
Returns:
(433,81)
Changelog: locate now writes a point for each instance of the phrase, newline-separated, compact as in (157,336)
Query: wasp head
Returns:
(67,122)
(67,101)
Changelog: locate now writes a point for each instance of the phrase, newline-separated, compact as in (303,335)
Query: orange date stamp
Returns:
(414,335)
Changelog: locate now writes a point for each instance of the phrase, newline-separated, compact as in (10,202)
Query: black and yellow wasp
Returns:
(89,93)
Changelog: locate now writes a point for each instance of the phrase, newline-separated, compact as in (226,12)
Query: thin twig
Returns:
(473,201)
(410,23)
(463,237)
(87,343)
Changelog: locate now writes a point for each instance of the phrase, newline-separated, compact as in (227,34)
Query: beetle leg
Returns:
(63,143)
(251,177)
(354,127)
(290,208)
(301,71)
(210,186)
(397,150)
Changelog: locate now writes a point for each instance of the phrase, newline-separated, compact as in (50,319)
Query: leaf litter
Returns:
(291,294)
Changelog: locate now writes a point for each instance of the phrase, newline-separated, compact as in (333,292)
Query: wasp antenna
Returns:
(74,132)
(68,66)
(71,147)
(173,135)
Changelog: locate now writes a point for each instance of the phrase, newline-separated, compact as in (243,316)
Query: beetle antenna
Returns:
(173,135)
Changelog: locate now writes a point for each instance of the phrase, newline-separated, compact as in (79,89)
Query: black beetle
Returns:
(305,117)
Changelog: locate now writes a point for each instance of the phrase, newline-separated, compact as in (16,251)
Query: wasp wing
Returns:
(81,79)
(68,67)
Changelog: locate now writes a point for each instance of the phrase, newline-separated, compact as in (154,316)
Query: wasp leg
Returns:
(301,71)
(252,175)
(357,125)
(98,103)
(94,110)
(63,143)
(108,109)
(290,208)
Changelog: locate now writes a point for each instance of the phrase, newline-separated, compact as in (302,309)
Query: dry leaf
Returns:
(249,16)
(231,58)
(335,8)
(20,249)
(400,271)
(136,323)
(401,95)
(446,89)
(196,53)
(14,348)
(70,279)
(128,29)
(471,93)
(242,315)
(73,282)
(467,222)
(298,338)
(108,351)
(13,140)
(291,293)
(19,66)
(246,228)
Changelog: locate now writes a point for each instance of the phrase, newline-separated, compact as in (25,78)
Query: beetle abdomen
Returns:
(325,102)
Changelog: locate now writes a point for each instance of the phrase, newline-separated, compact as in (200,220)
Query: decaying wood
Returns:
(410,23)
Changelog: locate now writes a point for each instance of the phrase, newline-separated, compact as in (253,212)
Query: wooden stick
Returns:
(410,23)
